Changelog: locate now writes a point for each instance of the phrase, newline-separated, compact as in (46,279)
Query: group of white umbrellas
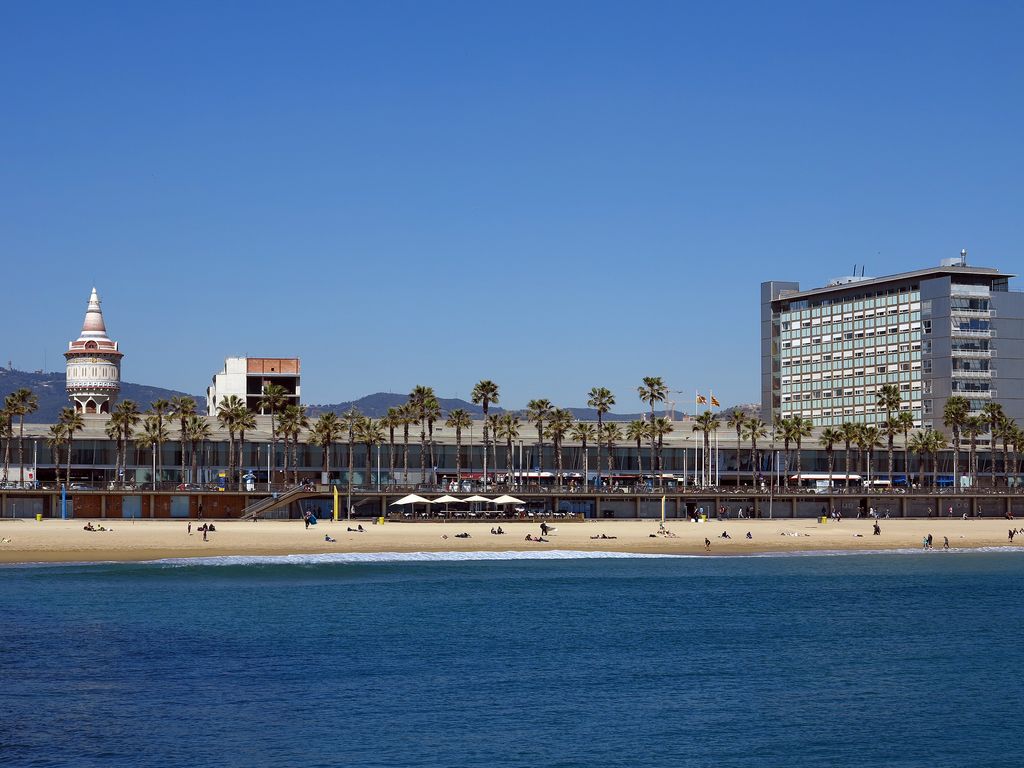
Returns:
(412,498)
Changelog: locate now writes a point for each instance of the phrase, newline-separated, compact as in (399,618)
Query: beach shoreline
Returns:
(60,541)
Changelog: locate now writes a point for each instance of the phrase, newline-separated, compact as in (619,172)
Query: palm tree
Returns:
(508,430)
(182,406)
(369,433)
(459,419)
(21,403)
(127,418)
(392,420)
(408,418)
(904,421)
(707,423)
(849,432)
(559,423)
(954,415)
(537,412)
(661,427)
(420,399)
(801,428)
(753,430)
(785,425)
(652,391)
(113,431)
(72,421)
(245,422)
(1004,431)
(601,400)
(585,433)
(433,411)
(974,427)
(153,436)
(869,438)
(273,398)
(610,434)
(350,420)
(7,432)
(227,416)
(919,444)
(993,415)
(888,399)
(293,420)
(55,439)
(197,432)
(484,393)
(936,442)
(737,419)
(493,421)
(637,431)
(325,432)
(828,439)
(159,408)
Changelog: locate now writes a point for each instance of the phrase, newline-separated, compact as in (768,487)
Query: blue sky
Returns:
(551,195)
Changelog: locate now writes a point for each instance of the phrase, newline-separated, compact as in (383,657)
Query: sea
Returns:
(503,659)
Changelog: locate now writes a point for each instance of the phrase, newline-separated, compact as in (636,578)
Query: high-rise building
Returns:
(245,377)
(93,364)
(949,330)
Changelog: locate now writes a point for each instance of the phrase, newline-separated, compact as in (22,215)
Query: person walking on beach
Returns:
(189,527)
(945,542)
(929,540)
(877,531)
(204,532)
(707,544)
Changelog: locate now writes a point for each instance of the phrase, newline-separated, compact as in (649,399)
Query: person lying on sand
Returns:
(462,536)
(356,530)
(327,537)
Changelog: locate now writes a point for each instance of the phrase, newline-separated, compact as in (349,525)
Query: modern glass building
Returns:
(949,330)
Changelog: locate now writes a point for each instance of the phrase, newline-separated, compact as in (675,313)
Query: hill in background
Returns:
(50,389)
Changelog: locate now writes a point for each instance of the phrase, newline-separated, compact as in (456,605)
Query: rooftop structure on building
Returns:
(245,378)
(93,364)
(948,330)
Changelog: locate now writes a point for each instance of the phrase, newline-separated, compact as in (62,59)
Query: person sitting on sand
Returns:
(493,532)
(500,532)
(88,527)
(748,535)
(211,528)
(529,537)
(725,535)
(327,537)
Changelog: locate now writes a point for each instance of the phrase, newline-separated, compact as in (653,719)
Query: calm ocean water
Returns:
(887,660)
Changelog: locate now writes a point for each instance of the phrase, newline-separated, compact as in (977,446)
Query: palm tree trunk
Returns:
(458,454)
(405,456)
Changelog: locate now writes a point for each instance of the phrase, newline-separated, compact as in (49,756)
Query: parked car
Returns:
(80,487)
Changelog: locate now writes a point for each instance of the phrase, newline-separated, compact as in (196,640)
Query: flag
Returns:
(335,503)
(715,403)
(701,400)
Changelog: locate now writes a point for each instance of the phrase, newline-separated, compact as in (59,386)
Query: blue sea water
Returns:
(858,660)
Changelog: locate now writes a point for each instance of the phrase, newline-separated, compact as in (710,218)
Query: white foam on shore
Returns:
(334,558)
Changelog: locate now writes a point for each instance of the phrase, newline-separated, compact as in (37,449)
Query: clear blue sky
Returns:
(553,195)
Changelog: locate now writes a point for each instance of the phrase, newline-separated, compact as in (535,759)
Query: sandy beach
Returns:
(27,541)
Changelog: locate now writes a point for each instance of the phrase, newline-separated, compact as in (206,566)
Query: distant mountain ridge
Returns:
(49,388)
(376,406)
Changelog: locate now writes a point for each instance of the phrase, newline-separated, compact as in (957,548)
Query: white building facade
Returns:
(93,377)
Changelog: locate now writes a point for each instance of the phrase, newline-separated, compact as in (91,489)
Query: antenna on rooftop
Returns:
(963,257)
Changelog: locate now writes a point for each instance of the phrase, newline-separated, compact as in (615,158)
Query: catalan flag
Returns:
(715,403)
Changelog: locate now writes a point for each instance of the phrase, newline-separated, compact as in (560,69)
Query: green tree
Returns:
(369,433)
(325,432)
(197,432)
(245,422)
(610,435)
(350,421)
(706,423)
(601,400)
(160,408)
(652,391)
(538,412)
(459,419)
(21,403)
(392,420)
(993,415)
(227,416)
(850,432)
(801,428)
(183,406)
(152,436)
(888,400)
(974,427)
(637,431)
(7,433)
(508,430)
(920,444)
(585,433)
(126,416)
(72,421)
(407,412)
(828,439)
(484,394)
(421,399)
(736,420)
(559,423)
(273,398)
(755,429)
(56,436)
(868,438)
(661,427)
(493,422)
(904,421)
(954,416)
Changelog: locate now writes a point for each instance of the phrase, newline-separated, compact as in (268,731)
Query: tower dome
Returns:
(93,364)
